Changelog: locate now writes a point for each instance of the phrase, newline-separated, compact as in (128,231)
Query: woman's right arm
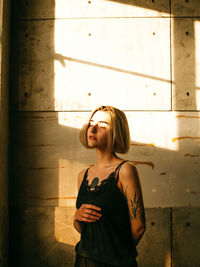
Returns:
(87,212)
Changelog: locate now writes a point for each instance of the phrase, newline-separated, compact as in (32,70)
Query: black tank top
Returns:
(108,240)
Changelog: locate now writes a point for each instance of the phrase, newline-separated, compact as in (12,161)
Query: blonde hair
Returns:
(119,135)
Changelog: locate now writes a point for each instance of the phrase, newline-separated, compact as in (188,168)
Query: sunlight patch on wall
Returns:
(97,61)
(153,129)
(198,99)
(197,61)
(197,51)
(67,190)
(92,65)
(168,259)
(64,230)
(73,120)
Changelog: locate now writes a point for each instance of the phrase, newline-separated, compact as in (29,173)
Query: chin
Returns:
(91,145)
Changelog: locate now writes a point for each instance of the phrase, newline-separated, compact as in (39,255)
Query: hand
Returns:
(88,213)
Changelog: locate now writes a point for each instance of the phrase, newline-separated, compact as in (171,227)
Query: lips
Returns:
(91,137)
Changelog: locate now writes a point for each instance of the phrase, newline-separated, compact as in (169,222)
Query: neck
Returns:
(105,158)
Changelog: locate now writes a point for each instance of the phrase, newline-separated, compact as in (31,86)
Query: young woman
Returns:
(110,212)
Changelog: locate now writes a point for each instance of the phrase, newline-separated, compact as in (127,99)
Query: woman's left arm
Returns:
(130,185)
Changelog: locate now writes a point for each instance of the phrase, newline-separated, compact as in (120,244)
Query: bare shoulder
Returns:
(128,168)
(128,173)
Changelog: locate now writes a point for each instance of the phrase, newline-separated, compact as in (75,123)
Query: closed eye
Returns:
(101,124)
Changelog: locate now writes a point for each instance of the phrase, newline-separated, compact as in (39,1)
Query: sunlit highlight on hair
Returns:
(119,136)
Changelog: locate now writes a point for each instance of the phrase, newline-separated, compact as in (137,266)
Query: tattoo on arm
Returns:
(136,208)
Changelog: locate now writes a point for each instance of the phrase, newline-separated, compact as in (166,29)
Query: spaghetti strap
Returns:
(118,169)
(119,166)
(86,173)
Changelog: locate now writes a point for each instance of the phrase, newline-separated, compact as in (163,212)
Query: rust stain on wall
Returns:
(151,164)
(42,117)
(194,192)
(185,137)
(191,156)
(188,117)
(40,145)
(45,168)
(52,198)
(142,144)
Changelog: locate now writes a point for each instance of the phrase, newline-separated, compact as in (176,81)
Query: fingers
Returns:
(88,213)
(89,206)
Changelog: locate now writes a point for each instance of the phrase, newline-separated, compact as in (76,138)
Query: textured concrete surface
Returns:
(50,156)
(186,233)
(49,238)
(186,8)
(50,62)
(185,52)
(154,248)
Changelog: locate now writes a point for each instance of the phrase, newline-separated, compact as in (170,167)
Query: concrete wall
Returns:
(140,56)
(4,88)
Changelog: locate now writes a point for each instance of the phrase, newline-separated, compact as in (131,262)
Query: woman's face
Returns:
(98,130)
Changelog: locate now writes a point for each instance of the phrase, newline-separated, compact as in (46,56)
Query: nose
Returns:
(94,128)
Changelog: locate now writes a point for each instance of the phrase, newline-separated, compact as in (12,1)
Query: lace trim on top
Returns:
(114,174)
(103,182)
